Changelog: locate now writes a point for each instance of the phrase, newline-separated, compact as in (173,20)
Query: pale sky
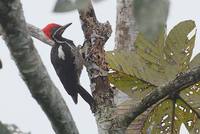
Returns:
(17,105)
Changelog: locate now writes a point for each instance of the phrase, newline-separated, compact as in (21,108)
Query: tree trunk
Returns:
(126,30)
(31,68)
(125,36)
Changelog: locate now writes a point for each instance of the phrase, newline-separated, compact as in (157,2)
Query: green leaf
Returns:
(196,127)
(122,81)
(132,64)
(191,95)
(122,61)
(184,114)
(168,116)
(153,64)
(151,59)
(179,44)
(195,61)
(162,60)
(132,86)
(148,50)
(160,119)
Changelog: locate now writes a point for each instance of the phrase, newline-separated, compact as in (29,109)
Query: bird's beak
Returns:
(62,29)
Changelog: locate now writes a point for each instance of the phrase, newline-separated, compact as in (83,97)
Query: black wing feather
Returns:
(65,70)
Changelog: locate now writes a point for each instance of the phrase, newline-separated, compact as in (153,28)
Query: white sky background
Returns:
(17,105)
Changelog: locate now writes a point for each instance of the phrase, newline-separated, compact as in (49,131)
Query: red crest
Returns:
(48,29)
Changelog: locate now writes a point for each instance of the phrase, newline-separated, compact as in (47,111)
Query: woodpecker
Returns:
(66,61)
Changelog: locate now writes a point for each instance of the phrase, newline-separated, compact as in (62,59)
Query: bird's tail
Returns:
(75,98)
(87,97)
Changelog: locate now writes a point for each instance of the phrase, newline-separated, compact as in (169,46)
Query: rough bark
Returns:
(126,30)
(96,35)
(32,70)
(183,81)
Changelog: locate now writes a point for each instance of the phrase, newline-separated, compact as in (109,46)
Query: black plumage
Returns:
(63,56)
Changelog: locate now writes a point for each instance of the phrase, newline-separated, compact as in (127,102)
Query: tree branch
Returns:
(126,31)
(183,81)
(37,33)
(96,35)
(32,69)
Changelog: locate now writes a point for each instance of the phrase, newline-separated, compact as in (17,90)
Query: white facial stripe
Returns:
(60,41)
(54,34)
(61,54)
